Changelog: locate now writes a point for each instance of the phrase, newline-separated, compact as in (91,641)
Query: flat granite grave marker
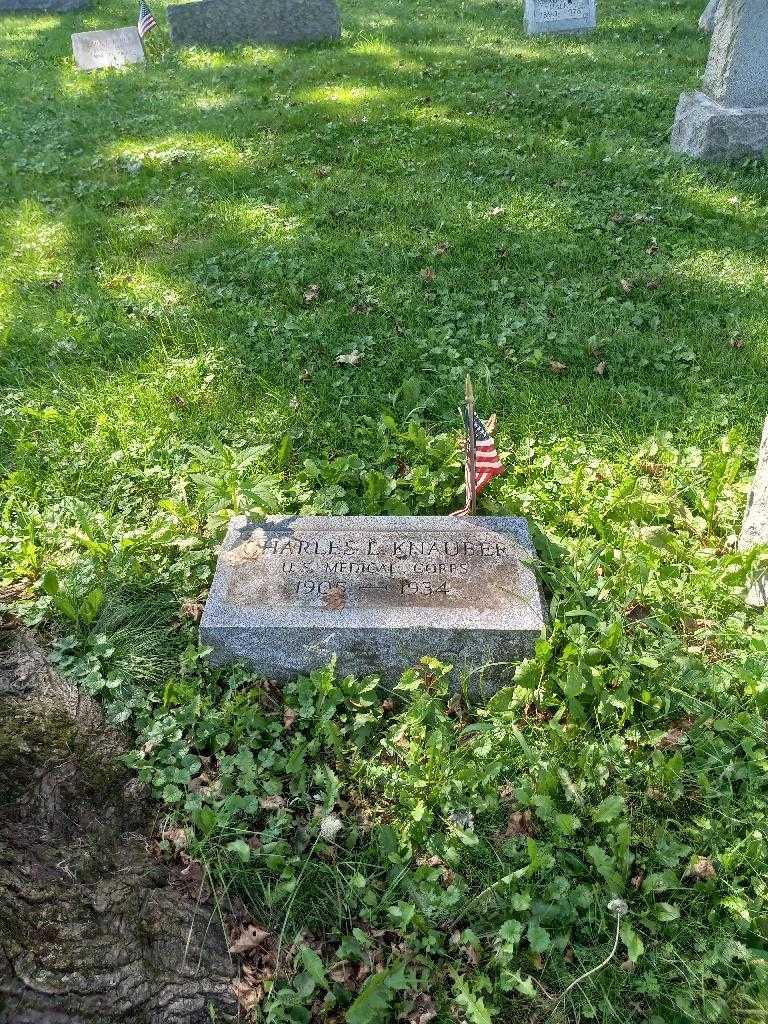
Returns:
(377,592)
(223,23)
(728,117)
(545,16)
(107,48)
(755,528)
(43,6)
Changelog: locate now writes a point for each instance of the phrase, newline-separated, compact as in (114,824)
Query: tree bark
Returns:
(92,928)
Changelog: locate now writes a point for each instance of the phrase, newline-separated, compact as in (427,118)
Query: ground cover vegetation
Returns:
(253,282)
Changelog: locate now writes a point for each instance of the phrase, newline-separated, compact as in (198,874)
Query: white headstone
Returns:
(546,16)
(107,48)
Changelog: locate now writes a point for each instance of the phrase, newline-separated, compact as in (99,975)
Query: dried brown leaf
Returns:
(177,837)
(193,877)
(557,367)
(471,955)
(676,734)
(272,803)
(289,718)
(352,358)
(192,610)
(248,996)
(701,869)
(671,739)
(312,293)
(248,938)
(520,823)
(342,973)
(636,612)
(601,367)
(427,274)
(423,1010)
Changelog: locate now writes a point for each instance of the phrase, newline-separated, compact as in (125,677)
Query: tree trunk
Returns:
(92,928)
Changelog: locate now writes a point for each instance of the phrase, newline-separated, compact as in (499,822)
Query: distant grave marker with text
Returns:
(550,16)
(377,592)
(43,6)
(107,48)
(223,23)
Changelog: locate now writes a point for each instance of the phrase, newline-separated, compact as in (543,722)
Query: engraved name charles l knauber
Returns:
(377,592)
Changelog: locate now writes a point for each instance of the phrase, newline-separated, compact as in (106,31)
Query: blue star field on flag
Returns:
(146,19)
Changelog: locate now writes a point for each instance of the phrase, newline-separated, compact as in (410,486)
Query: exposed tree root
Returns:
(92,929)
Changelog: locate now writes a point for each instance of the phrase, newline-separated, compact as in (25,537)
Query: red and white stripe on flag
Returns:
(487,463)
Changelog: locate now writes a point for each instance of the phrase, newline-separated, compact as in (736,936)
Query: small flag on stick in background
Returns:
(146,19)
(481,461)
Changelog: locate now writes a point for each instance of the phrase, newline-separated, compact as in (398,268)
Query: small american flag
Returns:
(487,463)
(146,19)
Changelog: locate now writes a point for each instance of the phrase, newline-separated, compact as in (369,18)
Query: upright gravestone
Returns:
(43,6)
(223,23)
(107,48)
(755,528)
(729,117)
(547,16)
(379,593)
(708,16)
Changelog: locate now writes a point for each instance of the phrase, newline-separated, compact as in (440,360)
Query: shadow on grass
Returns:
(198,196)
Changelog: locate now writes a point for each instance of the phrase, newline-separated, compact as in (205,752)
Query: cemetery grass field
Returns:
(187,248)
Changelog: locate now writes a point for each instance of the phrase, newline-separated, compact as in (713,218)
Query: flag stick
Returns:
(470,455)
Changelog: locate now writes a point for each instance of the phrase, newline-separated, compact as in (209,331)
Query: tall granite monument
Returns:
(377,592)
(709,16)
(728,117)
(544,17)
(222,23)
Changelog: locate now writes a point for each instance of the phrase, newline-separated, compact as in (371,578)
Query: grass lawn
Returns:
(187,247)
